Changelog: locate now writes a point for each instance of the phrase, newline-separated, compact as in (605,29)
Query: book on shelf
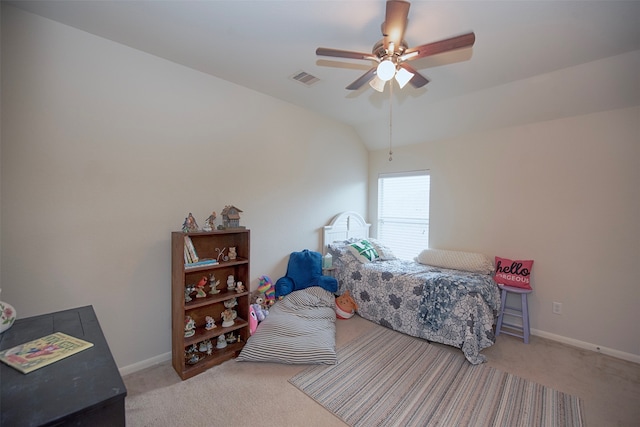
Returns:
(43,351)
(201,263)
(187,258)
(192,250)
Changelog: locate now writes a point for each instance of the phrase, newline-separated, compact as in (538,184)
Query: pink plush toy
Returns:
(253,320)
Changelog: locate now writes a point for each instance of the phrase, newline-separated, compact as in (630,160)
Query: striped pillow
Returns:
(299,329)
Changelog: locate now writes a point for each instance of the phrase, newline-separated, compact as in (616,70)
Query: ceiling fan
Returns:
(392,52)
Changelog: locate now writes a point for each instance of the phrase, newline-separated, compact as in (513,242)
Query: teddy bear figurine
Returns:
(240,288)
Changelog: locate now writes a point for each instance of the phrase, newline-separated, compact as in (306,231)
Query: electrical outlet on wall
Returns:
(557,308)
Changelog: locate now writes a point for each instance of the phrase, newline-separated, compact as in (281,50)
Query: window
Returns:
(403,212)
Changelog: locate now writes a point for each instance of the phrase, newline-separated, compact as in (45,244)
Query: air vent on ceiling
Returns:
(305,78)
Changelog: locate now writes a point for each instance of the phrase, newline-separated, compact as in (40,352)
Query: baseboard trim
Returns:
(588,346)
(147,363)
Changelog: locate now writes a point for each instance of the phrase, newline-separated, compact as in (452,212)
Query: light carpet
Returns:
(385,378)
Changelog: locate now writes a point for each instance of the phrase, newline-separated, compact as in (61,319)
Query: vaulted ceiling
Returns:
(532,60)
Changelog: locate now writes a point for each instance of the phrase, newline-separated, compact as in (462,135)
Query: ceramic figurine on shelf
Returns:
(240,287)
(221,256)
(209,347)
(211,323)
(187,292)
(210,223)
(202,347)
(222,342)
(213,283)
(200,293)
(189,327)
(232,253)
(227,318)
(230,303)
(231,338)
(190,225)
(231,282)
(193,359)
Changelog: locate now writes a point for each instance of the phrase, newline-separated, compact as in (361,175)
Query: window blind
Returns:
(403,212)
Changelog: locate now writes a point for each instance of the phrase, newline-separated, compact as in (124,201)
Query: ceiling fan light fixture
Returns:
(377,84)
(386,70)
(403,76)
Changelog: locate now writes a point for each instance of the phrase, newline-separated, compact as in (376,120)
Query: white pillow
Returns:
(364,251)
(385,253)
(457,260)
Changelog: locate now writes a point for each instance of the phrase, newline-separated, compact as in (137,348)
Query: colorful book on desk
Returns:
(44,351)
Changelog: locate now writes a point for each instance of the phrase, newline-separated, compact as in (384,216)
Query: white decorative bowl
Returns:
(7,316)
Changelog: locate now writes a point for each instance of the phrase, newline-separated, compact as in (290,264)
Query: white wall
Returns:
(564,193)
(106,149)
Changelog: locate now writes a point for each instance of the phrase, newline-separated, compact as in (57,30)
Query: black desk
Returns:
(82,389)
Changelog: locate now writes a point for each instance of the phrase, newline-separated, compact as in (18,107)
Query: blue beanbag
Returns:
(303,271)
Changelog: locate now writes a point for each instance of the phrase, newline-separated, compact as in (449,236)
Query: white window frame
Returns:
(403,224)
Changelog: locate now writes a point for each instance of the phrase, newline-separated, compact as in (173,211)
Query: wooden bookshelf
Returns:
(208,245)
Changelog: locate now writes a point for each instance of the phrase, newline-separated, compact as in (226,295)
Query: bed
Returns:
(456,307)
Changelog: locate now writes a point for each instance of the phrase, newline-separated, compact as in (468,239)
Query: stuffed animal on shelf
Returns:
(345,306)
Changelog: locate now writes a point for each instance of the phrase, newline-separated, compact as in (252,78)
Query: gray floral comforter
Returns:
(451,307)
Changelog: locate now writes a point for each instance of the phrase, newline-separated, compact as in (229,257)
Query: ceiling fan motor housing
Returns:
(382,53)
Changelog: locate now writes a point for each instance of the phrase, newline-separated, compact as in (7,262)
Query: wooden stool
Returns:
(522,312)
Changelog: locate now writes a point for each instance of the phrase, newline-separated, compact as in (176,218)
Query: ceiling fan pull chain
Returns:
(390,120)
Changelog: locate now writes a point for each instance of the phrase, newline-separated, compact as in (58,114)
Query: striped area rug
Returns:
(385,378)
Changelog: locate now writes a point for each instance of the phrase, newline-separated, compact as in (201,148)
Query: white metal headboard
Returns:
(344,226)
